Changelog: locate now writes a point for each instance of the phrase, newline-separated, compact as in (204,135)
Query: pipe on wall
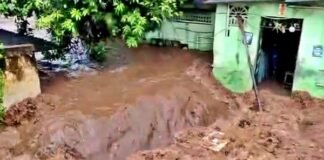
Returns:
(305,7)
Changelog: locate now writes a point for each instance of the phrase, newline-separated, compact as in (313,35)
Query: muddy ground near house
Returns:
(290,128)
(160,103)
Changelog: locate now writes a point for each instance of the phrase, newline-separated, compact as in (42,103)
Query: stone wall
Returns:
(21,76)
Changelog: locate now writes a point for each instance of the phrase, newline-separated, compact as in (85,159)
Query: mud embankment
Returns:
(161,106)
(151,123)
(290,128)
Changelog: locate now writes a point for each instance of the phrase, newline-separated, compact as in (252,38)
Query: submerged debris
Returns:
(74,63)
(215,141)
(135,128)
(19,112)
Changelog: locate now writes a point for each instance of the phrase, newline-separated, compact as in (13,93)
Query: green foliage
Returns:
(21,9)
(2,109)
(99,51)
(2,114)
(1,52)
(94,20)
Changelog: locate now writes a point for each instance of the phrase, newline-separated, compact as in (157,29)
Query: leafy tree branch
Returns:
(94,20)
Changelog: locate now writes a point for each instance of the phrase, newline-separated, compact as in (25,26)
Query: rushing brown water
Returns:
(117,112)
(151,71)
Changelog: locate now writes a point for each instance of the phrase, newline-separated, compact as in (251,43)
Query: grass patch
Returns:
(2,78)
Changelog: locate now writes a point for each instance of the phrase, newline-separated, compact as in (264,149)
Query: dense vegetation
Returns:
(93,20)
(2,109)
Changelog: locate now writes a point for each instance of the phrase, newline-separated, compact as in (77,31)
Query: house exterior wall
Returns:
(21,75)
(198,36)
(230,61)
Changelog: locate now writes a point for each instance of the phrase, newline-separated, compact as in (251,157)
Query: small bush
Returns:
(99,51)
(2,109)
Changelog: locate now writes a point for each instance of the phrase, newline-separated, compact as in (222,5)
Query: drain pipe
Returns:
(305,7)
(241,26)
(227,31)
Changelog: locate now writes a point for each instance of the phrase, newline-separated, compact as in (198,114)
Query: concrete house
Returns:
(285,40)
(293,28)
(21,73)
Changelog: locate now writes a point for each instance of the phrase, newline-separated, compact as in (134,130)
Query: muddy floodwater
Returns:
(147,71)
(161,104)
(138,104)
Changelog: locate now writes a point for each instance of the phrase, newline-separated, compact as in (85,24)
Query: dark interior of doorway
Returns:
(277,56)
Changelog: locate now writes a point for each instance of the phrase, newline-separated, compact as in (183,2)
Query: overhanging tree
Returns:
(94,20)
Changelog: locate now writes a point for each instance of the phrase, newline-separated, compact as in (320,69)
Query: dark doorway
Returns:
(277,56)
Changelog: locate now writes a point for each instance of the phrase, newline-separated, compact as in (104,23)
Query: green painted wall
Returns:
(230,62)
(198,36)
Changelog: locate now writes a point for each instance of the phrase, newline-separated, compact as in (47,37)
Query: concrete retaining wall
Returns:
(21,75)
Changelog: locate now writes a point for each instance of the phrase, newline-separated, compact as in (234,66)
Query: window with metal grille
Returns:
(194,18)
(319,80)
(236,11)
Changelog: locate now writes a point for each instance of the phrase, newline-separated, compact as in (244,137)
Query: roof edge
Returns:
(256,1)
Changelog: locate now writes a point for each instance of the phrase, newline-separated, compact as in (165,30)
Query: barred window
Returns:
(319,80)
(194,18)
(236,11)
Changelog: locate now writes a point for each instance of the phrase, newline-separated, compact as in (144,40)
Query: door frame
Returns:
(260,40)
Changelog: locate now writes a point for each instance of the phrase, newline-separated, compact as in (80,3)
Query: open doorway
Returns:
(278,49)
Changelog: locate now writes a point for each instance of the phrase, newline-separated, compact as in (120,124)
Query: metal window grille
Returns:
(320,81)
(236,11)
(194,18)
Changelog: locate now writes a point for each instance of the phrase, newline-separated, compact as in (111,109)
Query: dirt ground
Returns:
(290,128)
(160,104)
